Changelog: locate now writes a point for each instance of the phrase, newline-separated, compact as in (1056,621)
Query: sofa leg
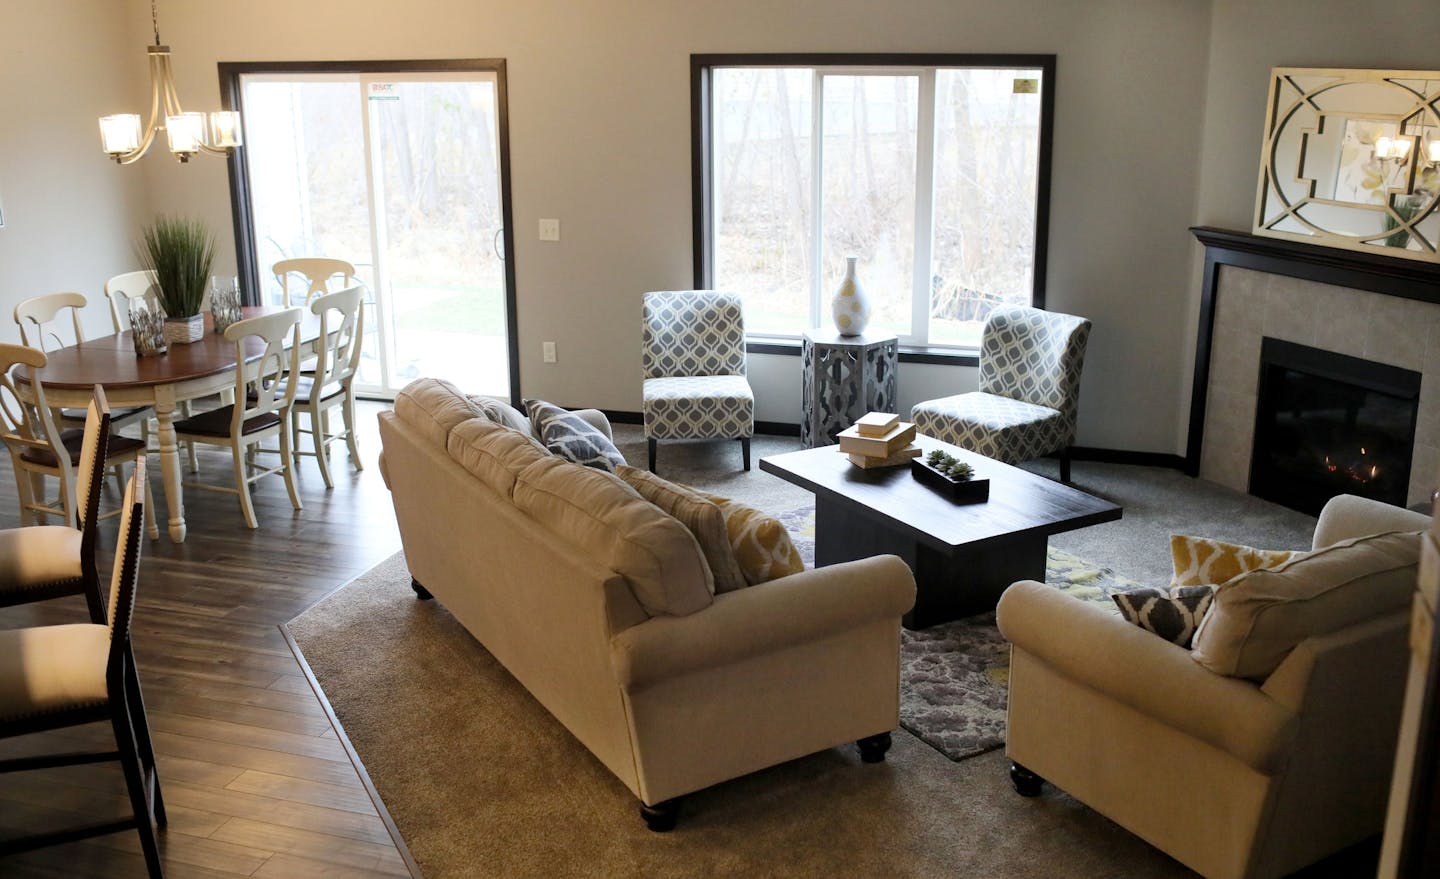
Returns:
(660,817)
(873,748)
(650,447)
(1027,783)
(745,450)
(420,591)
(1065,465)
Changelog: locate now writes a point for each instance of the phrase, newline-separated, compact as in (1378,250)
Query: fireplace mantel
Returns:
(1374,273)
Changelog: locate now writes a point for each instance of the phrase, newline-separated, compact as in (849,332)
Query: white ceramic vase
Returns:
(850,307)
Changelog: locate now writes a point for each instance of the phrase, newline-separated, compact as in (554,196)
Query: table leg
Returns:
(170,468)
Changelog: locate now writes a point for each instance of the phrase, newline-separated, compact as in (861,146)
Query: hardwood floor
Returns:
(256,780)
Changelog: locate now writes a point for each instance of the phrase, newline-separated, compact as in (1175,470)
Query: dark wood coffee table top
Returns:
(1020,502)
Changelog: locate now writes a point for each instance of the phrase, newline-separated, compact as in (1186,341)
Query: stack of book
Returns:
(879,439)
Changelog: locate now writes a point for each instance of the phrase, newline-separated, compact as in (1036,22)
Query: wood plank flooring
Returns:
(256,781)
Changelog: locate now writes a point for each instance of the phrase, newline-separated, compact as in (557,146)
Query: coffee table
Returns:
(963,555)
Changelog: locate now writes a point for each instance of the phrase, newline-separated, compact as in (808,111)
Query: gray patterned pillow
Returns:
(1173,615)
(500,412)
(572,437)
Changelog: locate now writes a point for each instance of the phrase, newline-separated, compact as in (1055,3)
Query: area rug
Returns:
(954,677)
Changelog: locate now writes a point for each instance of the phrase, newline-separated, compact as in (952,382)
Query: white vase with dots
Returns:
(850,306)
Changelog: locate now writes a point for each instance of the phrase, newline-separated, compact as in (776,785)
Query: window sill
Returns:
(908,353)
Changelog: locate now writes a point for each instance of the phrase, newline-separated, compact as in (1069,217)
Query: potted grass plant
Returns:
(180,252)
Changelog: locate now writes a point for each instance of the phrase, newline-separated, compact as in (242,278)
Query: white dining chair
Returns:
(317,272)
(332,385)
(264,394)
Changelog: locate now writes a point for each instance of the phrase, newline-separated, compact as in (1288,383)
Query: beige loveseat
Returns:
(1240,775)
(603,608)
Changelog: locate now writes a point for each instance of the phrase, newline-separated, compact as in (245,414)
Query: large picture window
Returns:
(932,170)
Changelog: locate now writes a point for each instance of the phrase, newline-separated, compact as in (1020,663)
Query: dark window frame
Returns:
(231,98)
(702,199)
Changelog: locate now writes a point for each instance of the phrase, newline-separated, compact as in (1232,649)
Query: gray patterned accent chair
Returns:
(693,354)
(1030,362)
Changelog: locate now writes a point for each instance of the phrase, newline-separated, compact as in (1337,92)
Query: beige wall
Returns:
(600,115)
(69,212)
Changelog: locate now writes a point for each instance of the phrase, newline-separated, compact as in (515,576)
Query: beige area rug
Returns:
(482,781)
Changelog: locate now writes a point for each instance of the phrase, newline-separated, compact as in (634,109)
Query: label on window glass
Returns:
(1021,87)
(383,91)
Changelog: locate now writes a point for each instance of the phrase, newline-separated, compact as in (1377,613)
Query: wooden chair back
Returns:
(342,329)
(317,272)
(39,319)
(266,385)
(125,575)
(30,427)
(93,452)
(121,289)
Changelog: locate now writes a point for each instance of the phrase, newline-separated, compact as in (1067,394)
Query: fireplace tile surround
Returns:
(1251,304)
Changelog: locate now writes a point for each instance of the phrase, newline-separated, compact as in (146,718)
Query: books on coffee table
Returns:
(865,462)
(876,423)
(883,446)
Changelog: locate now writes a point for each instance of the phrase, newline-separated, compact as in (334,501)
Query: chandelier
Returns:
(187,133)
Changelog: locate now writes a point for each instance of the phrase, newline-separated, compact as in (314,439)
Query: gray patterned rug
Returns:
(954,677)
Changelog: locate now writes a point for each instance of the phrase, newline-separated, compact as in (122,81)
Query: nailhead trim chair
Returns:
(1029,396)
(58,676)
(693,354)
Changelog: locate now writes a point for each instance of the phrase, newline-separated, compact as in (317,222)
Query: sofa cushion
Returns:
(761,544)
(700,514)
(495,454)
(1174,614)
(1256,619)
(434,407)
(1199,560)
(605,518)
(500,412)
(572,437)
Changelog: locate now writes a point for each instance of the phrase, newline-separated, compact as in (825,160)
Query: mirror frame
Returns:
(1287,97)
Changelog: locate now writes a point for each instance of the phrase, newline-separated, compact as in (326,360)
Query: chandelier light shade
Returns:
(124,140)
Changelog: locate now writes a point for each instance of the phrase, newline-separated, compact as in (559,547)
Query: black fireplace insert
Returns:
(1329,424)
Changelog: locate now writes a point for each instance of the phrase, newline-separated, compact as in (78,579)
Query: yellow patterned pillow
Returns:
(762,545)
(1200,561)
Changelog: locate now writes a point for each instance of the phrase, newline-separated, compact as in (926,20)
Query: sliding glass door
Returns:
(401,174)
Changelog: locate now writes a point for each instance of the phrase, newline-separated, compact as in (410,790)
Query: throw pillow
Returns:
(572,437)
(500,412)
(1200,561)
(1173,615)
(761,544)
(1259,617)
(700,514)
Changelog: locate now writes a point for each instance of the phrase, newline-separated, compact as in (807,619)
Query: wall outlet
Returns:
(547,349)
(549,230)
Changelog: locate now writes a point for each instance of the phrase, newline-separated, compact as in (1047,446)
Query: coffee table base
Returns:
(948,586)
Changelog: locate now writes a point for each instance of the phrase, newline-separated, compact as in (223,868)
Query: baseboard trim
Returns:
(770,428)
(1126,456)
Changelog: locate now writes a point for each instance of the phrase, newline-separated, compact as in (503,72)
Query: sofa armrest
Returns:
(596,419)
(1145,672)
(764,619)
(1346,516)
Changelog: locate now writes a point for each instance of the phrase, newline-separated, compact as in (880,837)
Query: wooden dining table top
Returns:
(111,360)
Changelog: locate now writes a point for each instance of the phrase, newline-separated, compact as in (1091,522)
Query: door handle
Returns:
(495,242)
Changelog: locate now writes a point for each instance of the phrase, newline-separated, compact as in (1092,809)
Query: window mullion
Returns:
(817,162)
(922,271)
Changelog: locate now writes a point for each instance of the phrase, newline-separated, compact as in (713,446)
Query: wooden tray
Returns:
(971,491)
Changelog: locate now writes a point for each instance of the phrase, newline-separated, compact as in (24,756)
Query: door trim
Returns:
(231,98)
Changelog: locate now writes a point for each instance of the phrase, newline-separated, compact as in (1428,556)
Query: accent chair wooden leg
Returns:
(135,783)
(1027,783)
(1065,465)
(420,591)
(873,748)
(745,450)
(661,817)
(650,444)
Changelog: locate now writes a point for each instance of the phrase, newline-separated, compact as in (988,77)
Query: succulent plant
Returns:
(948,465)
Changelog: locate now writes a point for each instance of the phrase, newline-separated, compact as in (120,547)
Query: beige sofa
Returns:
(514,543)
(1235,778)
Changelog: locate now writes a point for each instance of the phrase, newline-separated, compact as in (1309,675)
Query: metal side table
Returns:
(842,378)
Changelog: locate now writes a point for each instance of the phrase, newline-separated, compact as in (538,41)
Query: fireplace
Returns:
(1329,424)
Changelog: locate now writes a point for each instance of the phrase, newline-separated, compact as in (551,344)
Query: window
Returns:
(934,171)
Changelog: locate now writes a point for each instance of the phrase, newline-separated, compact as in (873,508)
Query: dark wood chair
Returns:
(53,677)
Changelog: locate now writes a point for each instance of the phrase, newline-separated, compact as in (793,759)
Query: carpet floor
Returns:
(482,781)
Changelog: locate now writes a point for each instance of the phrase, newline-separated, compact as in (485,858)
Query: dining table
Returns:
(186,372)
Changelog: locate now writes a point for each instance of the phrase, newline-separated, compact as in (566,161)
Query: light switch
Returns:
(547,349)
(549,230)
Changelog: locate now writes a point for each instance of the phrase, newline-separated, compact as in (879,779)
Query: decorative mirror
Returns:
(1352,160)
